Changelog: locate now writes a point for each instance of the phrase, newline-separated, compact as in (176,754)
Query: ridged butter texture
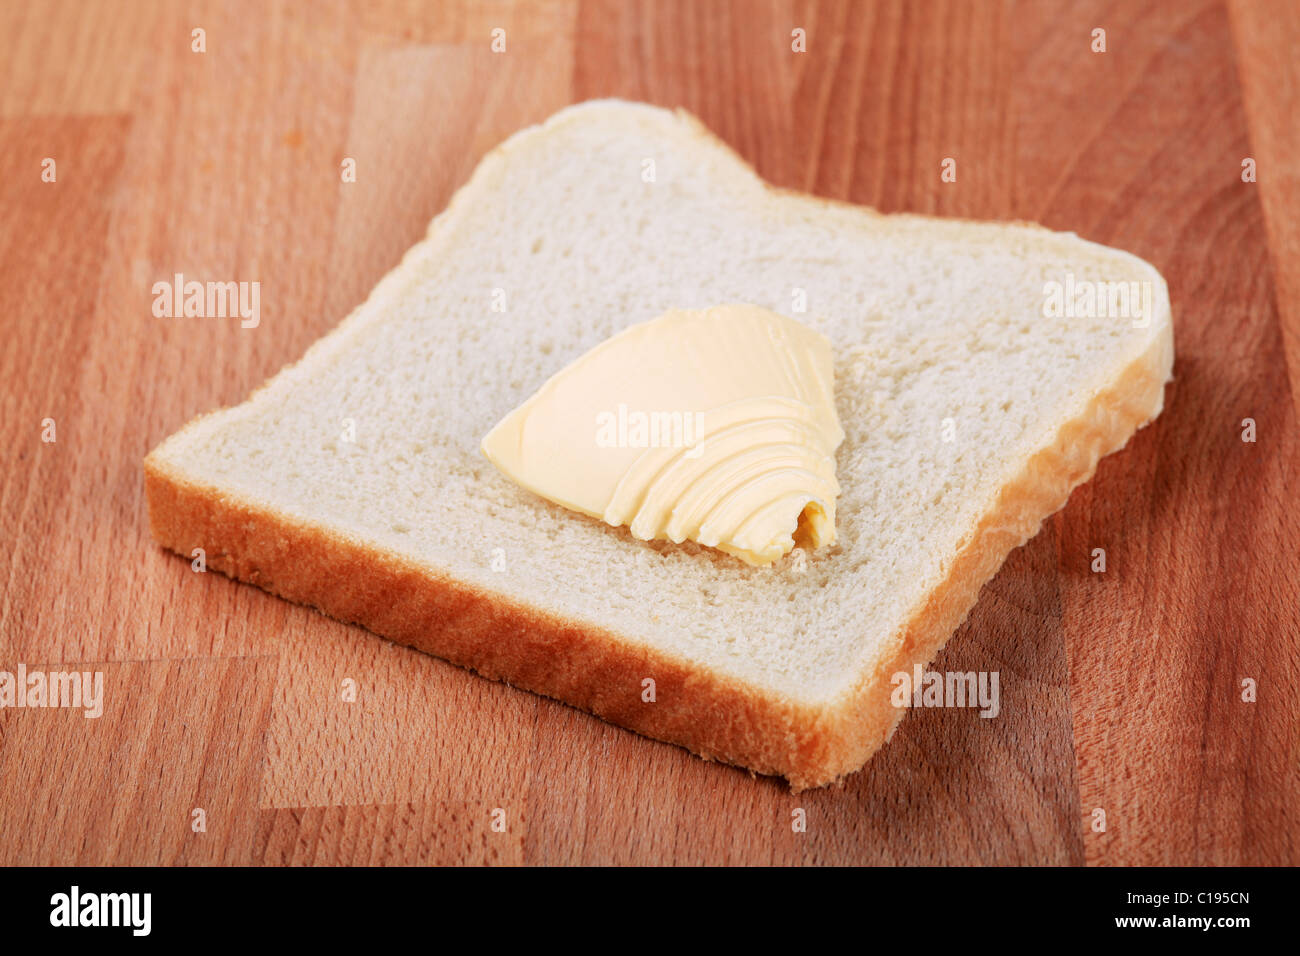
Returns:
(948,378)
(714,425)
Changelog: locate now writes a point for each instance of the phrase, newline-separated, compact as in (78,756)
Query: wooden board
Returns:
(1121,692)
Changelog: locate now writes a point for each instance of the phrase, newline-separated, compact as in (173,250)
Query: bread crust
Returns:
(597,670)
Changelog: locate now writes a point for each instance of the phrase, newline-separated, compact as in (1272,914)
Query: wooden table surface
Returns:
(1121,691)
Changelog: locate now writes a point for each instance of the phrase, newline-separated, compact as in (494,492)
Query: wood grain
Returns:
(1120,691)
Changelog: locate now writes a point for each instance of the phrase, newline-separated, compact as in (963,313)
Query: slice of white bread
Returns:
(969,416)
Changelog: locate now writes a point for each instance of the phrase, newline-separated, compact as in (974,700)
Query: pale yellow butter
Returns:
(716,425)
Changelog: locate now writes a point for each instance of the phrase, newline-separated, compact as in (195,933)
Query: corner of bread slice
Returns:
(862,717)
(176,501)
